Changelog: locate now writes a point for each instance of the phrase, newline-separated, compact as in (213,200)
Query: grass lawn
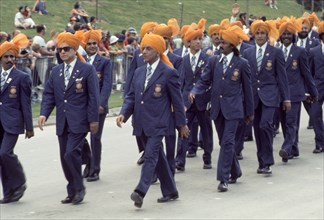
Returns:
(115,100)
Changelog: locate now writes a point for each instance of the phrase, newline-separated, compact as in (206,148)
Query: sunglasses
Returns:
(93,43)
(66,49)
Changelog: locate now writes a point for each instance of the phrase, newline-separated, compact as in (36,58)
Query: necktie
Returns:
(88,60)
(285,53)
(224,65)
(67,74)
(259,59)
(185,52)
(193,63)
(301,43)
(3,79)
(149,74)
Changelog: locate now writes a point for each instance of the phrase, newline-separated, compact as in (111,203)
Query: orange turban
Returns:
(320,27)
(184,30)
(237,23)
(225,23)
(304,20)
(234,35)
(169,30)
(214,28)
(147,27)
(267,26)
(80,36)
(19,41)
(289,25)
(7,46)
(311,17)
(157,43)
(70,39)
(95,35)
(195,30)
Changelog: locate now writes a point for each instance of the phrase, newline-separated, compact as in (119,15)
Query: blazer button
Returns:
(258,81)
(142,102)
(194,83)
(258,89)
(65,101)
(220,96)
(0,103)
(223,78)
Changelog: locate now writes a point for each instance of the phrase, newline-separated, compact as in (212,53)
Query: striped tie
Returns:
(193,63)
(3,79)
(186,52)
(285,53)
(224,65)
(301,43)
(149,74)
(259,59)
(67,74)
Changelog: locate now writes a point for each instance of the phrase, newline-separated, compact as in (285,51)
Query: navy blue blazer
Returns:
(104,73)
(137,61)
(317,69)
(244,46)
(178,51)
(151,107)
(189,79)
(78,104)
(310,43)
(216,52)
(15,103)
(271,84)
(299,75)
(176,61)
(231,92)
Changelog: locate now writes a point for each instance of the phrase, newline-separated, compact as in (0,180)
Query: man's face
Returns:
(67,53)
(7,60)
(286,38)
(215,39)
(195,44)
(150,55)
(304,32)
(225,47)
(91,47)
(260,37)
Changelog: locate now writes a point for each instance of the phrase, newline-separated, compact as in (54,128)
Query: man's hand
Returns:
(235,9)
(41,122)
(101,110)
(184,131)
(29,134)
(286,106)
(314,99)
(191,97)
(120,120)
(93,127)
(249,119)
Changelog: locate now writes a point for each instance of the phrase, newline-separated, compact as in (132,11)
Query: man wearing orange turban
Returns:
(317,70)
(183,50)
(73,89)
(299,80)
(228,76)
(15,118)
(270,88)
(306,42)
(193,65)
(136,62)
(213,31)
(155,88)
(104,73)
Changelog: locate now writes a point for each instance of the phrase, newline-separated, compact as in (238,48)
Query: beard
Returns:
(303,34)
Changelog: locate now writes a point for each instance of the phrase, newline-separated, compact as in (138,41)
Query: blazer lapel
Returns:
(290,56)
(231,65)
(155,75)
(266,56)
(74,75)
(10,78)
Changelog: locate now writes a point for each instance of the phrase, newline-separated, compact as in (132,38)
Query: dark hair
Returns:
(130,40)
(40,28)
(92,18)
(77,26)
(236,51)
(76,5)
(21,7)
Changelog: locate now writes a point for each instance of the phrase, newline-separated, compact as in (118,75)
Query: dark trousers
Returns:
(140,143)
(193,138)
(96,146)
(239,137)
(203,120)
(317,118)
(226,130)
(155,161)
(308,108)
(170,142)
(11,171)
(289,123)
(70,153)
(248,130)
(263,132)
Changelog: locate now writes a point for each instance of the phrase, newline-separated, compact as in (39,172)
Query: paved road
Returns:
(294,191)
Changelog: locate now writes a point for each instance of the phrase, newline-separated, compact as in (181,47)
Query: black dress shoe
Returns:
(191,154)
(5,200)
(137,198)
(222,187)
(180,167)
(93,177)
(317,150)
(284,154)
(239,156)
(86,171)
(207,166)
(248,138)
(260,170)
(140,160)
(67,200)
(18,193)
(233,179)
(267,170)
(168,198)
(78,197)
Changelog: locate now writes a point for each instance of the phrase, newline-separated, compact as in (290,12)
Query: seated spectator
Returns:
(80,14)
(3,37)
(40,7)
(70,26)
(23,19)
(92,23)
